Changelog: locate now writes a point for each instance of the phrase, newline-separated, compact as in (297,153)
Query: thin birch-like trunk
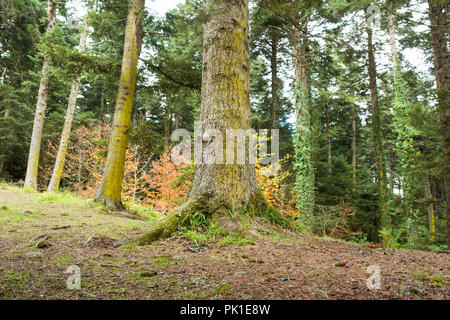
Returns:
(392,38)
(39,118)
(62,150)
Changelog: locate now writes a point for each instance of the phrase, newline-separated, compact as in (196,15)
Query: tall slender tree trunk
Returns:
(39,118)
(65,136)
(438,13)
(274,71)
(225,104)
(167,125)
(2,155)
(389,171)
(396,72)
(102,104)
(378,148)
(110,188)
(429,199)
(392,38)
(80,168)
(354,154)
(327,125)
(303,149)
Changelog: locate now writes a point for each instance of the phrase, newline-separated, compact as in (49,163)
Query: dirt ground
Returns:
(280,264)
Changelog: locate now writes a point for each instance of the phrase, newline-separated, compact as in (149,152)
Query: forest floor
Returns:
(278,264)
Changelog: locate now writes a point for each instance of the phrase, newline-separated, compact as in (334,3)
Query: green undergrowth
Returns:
(58,197)
(202,229)
(145,212)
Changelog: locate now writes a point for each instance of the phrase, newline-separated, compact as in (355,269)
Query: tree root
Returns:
(217,210)
(111,204)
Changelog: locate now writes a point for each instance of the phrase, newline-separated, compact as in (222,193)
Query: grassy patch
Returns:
(141,210)
(161,261)
(58,197)
(201,229)
(238,240)
(197,238)
(60,260)
(438,281)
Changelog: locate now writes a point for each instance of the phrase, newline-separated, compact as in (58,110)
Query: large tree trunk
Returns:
(439,21)
(218,188)
(378,148)
(302,144)
(110,188)
(62,150)
(39,117)
(225,99)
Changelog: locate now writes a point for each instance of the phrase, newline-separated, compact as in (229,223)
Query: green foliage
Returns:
(200,229)
(227,240)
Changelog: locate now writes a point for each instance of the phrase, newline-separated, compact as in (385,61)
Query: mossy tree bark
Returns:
(39,117)
(62,150)
(225,104)
(438,13)
(110,188)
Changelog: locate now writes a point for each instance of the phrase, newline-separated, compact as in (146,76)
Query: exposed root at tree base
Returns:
(111,204)
(218,211)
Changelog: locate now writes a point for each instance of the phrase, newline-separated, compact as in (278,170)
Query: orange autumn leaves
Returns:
(149,181)
(166,192)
